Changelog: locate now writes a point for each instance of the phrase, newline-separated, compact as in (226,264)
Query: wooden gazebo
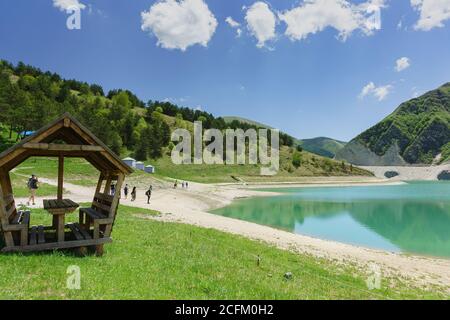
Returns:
(65,137)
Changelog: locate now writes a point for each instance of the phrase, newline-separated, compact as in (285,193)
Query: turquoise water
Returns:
(408,218)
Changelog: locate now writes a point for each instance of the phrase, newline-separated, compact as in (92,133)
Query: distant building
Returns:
(140,165)
(150,169)
(130,162)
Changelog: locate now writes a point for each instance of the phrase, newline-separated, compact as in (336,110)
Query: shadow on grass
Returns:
(70,252)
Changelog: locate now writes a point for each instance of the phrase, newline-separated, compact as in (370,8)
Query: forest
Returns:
(30,98)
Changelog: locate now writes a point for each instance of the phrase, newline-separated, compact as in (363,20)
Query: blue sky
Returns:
(304,76)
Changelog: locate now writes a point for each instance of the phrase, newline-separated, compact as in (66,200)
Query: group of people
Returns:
(184,184)
(33,186)
(133,193)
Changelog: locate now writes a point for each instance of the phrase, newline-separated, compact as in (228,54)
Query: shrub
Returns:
(297,159)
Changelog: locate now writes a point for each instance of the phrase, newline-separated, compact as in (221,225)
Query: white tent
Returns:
(130,162)
(140,165)
(150,169)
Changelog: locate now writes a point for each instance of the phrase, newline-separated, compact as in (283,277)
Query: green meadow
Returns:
(155,260)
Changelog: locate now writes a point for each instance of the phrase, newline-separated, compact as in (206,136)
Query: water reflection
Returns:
(409,218)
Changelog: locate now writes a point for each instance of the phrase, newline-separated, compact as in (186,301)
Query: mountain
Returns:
(323,146)
(230,119)
(417,132)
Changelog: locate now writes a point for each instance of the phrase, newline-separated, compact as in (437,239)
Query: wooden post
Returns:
(116,198)
(99,184)
(7,189)
(107,189)
(3,217)
(114,204)
(60,176)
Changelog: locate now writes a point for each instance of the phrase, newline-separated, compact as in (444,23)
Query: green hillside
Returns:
(229,119)
(323,146)
(306,164)
(418,130)
(310,166)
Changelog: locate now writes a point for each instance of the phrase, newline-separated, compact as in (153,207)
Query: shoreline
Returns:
(193,206)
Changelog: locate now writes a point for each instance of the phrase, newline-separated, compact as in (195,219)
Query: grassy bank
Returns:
(80,172)
(76,171)
(20,189)
(155,260)
(310,166)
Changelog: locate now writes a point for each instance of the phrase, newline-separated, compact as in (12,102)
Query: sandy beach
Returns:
(192,206)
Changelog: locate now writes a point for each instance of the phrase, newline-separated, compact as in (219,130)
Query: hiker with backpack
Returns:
(148,193)
(133,194)
(125,191)
(32,187)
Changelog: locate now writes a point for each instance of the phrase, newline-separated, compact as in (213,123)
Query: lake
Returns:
(409,218)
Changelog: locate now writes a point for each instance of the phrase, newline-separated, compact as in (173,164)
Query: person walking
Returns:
(133,194)
(32,187)
(148,193)
(125,191)
(175,184)
(113,189)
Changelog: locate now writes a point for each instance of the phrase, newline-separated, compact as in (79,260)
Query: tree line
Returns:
(31,98)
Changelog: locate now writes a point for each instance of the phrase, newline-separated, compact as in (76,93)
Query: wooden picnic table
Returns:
(59,208)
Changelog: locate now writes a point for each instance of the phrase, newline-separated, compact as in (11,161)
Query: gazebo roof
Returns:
(78,142)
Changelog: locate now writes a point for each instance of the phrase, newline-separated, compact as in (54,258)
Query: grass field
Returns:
(20,189)
(155,260)
(80,172)
(76,171)
(311,166)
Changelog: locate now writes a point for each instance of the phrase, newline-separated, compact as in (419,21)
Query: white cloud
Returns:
(367,89)
(176,100)
(433,13)
(261,22)
(313,16)
(402,64)
(380,92)
(64,5)
(232,22)
(179,24)
(235,25)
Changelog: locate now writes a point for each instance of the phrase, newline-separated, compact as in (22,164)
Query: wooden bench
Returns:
(79,232)
(16,223)
(37,235)
(99,215)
